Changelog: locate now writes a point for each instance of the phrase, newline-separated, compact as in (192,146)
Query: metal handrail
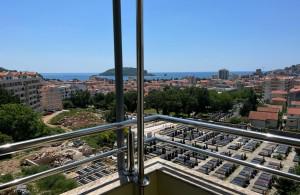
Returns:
(33,143)
(230,159)
(19,146)
(23,145)
(57,170)
(235,131)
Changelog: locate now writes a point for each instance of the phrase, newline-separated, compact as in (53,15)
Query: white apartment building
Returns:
(25,85)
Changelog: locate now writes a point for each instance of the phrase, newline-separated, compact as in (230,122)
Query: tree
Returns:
(130,100)
(154,100)
(235,120)
(188,101)
(101,139)
(249,104)
(6,97)
(226,102)
(202,96)
(21,123)
(99,100)
(68,104)
(193,99)
(80,98)
(110,114)
(109,100)
(220,101)
(246,108)
(5,138)
(171,101)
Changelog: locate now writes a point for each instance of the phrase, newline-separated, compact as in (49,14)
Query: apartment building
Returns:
(51,98)
(277,84)
(224,74)
(66,91)
(25,85)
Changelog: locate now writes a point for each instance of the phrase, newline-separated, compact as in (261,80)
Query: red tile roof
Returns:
(268,109)
(17,74)
(275,106)
(262,116)
(281,92)
(296,103)
(293,111)
(278,99)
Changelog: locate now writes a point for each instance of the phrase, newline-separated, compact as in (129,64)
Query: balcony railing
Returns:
(20,146)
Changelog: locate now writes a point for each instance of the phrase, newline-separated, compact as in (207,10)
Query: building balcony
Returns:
(165,177)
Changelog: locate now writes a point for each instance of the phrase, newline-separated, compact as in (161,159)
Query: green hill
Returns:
(127,71)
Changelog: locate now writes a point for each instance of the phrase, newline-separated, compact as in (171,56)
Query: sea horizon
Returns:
(157,75)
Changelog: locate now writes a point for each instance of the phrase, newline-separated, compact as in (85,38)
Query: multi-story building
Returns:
(25,85)
(224,74)
(258,72)
(51,98)
(281,83)
(66,91)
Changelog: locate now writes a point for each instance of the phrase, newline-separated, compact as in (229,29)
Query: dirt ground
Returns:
(10,166)
(76,119)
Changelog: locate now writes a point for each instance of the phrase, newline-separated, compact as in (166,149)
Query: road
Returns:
(46,119)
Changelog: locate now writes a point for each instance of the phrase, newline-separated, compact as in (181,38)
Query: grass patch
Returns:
(52,185)
(150,111)
(6,178)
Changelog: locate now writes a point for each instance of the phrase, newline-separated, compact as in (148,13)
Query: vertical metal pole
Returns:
(142,181)
(130,152)
(118,78)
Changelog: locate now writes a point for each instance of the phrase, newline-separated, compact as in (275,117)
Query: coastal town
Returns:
(258,101)
(279,92)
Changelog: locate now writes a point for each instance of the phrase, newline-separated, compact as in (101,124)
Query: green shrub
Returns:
(33,169)
(57,184)
(52,185)
(6,178)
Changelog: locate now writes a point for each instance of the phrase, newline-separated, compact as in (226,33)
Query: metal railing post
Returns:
(142,180)
(130,152)
(119,78)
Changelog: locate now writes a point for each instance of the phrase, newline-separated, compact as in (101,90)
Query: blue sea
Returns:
(157,75)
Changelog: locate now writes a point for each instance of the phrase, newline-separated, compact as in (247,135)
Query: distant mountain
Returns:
(127,71)
(3,69)
(293,70)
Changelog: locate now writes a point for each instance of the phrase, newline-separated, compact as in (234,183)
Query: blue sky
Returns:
(180,35)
